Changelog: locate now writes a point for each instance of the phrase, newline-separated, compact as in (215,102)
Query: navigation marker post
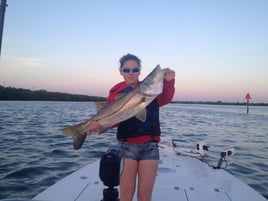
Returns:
(248,97)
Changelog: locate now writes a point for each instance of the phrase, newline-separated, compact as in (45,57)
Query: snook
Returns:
(127,106)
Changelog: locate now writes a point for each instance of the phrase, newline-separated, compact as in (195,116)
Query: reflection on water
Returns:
(34,153)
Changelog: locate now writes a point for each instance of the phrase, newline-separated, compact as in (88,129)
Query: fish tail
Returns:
(77,135)
(72,130)
(78,140)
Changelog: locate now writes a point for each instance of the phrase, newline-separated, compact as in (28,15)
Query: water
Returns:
(34,153)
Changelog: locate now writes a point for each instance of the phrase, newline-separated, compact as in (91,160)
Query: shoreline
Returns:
(20,94)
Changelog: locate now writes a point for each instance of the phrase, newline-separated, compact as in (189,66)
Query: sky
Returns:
(218,48)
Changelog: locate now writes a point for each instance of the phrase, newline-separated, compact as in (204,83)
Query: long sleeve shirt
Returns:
(164,98)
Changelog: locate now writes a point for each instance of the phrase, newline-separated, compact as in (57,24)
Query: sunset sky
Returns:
(218,48)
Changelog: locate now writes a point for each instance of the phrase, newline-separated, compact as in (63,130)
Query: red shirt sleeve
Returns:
(168,92)
(115,91)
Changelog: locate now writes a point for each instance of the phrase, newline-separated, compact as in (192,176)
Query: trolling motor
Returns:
(202,149)
(111,166)
(225,154)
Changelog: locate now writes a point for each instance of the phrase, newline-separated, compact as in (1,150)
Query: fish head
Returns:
(152,85)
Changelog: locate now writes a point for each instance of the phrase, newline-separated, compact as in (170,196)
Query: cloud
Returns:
(19,62)
(31,62)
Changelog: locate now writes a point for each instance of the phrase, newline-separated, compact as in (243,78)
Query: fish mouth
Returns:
(152,85)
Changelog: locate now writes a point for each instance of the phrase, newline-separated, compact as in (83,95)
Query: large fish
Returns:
(125,107)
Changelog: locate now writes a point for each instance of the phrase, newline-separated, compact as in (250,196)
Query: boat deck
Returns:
(180,178)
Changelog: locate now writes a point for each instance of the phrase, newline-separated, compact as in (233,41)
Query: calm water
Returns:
(34,154)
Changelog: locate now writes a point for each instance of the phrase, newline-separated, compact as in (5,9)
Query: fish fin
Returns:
(141,115)
(100,105)
(72,130)
(78,140)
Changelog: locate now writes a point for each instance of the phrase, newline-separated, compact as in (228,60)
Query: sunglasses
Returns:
(133,70)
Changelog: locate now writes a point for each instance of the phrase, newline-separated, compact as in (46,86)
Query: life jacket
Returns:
(135,128)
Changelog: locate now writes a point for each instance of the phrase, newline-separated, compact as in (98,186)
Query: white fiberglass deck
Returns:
(180,178)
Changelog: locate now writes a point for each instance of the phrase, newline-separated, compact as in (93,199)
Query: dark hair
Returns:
(128,57)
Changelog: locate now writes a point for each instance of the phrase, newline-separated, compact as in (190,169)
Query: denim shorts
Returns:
(141,151)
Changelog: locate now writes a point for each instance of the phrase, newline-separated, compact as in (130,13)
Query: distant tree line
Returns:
(11,93)
(219,103)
